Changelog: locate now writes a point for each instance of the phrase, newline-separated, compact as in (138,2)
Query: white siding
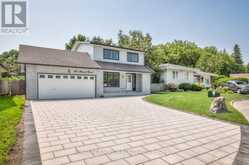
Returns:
(146,78)
(167,77)
(99,83)
(33,70)
(96,53)
(86,48)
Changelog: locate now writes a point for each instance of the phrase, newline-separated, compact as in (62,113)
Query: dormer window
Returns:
(111,54)
(132,57)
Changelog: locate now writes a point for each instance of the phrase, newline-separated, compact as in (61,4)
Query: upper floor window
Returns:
(175,75)
(111,54)
(132,57)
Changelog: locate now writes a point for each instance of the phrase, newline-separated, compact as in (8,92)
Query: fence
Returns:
(12,87)
(155,87)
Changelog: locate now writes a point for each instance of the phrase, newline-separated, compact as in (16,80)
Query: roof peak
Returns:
(77,43)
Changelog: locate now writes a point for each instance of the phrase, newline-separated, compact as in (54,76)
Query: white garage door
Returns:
(58,86)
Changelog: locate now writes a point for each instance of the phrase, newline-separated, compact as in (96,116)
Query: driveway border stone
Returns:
(31,153)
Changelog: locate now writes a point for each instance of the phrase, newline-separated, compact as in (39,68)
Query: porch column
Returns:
(146,78)
(99,83)
(139,82)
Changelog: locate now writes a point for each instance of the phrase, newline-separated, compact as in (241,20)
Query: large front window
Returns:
(132,57)
(111,79)
(111,54)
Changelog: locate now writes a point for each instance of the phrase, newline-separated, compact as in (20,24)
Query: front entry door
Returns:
(129,82)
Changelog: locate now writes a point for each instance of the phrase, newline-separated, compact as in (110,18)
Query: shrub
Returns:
(180,90)
(222,80)
(195,87)
(223,90)
(185,86)
(171,87)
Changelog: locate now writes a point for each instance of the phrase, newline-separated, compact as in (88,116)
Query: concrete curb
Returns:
(31,153)
(242,110)
(242,157)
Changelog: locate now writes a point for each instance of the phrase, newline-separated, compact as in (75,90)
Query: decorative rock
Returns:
(218,105)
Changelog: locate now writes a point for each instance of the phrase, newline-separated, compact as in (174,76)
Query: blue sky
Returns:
(221,23)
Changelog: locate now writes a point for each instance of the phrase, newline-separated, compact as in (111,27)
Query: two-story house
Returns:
(89,70)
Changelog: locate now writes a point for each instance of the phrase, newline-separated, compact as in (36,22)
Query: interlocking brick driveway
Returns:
(128,131)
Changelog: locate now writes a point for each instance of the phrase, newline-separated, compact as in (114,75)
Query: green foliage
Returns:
(8,59)
(215,61)
(155,77)
(185,86)
(240,79)
(247,68)
(138,40)
(186,53)
(237,54)
(99,40)
(208,59)
(13,78)
(11,109)
(177,52)
(199,103)
(224,90)
(195,87)
(222,80)
(74,39)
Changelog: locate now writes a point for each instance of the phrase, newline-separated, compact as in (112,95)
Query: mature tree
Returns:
(219,62)
(123,39)
(177,52)
(247,68)
(138,40)
(8,59)
(99,40)
(211,49)
(237,54)
(74,39)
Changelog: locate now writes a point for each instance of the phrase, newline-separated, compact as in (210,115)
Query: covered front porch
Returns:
(116,79)
(203,79)
(123,83)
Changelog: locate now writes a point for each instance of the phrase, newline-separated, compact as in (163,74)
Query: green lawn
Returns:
(11,109)
(199,103)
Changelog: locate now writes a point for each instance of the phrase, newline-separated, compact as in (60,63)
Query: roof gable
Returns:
(54,57)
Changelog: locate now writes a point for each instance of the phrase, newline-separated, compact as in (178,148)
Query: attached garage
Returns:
(58,74)
(63,86)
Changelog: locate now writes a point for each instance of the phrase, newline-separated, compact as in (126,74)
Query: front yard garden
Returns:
(199,103)
(11,109)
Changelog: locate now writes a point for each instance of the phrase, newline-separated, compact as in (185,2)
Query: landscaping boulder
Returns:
(218,105)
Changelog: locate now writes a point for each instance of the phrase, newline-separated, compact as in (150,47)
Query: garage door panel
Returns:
(66,86)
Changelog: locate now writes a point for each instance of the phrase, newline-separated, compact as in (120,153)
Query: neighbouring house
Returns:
(89,70)
(178,74)
(3,69)
(240,75)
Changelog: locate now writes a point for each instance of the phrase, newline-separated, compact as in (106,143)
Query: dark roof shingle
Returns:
(124,67)
(54,57)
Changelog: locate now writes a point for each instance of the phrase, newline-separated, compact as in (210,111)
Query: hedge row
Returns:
(183,86)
